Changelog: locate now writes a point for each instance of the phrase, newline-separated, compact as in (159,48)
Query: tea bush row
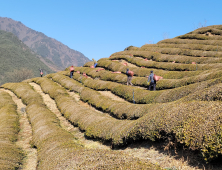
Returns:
(166,66)
(142,81)
(199,37)
(10,155)
(195,124)
(144,96)
(94,126)
(215,30)
(191,46)
(213,43)
(101,102)
(143,72)
(158,57)
(49,138)
(179,51)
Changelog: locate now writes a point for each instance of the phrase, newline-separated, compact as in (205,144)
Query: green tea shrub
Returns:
(10,155)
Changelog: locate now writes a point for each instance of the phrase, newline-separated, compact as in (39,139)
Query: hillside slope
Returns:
(16,57)
(52,51)
(183,117)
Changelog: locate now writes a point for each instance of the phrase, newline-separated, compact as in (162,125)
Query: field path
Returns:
(65,124)
(24,135)
(112,96)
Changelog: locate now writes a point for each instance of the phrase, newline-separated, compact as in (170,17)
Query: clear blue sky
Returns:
(98,28)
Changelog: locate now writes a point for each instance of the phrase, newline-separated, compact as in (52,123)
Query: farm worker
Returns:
(129,77)
(71,71)
(41,72)
(152,81)
(95,63)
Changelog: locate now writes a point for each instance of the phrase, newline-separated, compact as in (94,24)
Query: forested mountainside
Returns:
(17,62)
(54,54)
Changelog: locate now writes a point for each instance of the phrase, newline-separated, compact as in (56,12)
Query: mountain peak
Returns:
(51,51)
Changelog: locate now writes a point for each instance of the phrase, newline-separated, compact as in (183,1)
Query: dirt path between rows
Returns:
(24,135)
(65,124)
(112,96)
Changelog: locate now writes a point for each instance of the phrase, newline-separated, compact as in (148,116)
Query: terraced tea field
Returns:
(95,121)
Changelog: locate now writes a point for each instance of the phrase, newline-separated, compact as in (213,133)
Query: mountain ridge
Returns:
(18,60)
(52,51)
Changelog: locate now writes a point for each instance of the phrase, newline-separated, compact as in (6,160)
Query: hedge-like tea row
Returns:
(167,66)
(213,43)
(92,97)
(187,52)
(158,57)
(191,46)
(142,81)
(144,96)
(212,93)
(10,155)
(199,37)
(77,157)
(195,124)
(215,30)
(49,138)
(143,72)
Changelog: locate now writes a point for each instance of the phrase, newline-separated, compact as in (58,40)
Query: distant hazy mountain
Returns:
(53,53)
(17,61)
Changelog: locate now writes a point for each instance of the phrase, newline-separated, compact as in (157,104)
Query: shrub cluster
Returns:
(213,43)
(76,157)
(49,138)
(191,46)
(158,57)
(199,37)
(180,51)
(142,96)
(143,72)
(195,124)
(100,102)
(158,65)
(10,155)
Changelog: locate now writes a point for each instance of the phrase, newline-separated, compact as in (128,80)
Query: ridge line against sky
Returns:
(99,28)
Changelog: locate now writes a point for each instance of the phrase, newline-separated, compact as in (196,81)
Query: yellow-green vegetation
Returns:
(142,72)
(57,148)
(142,96)
(113,107)
(185,110)
(142,81)
(183,122)
(10,155)
(166,66)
